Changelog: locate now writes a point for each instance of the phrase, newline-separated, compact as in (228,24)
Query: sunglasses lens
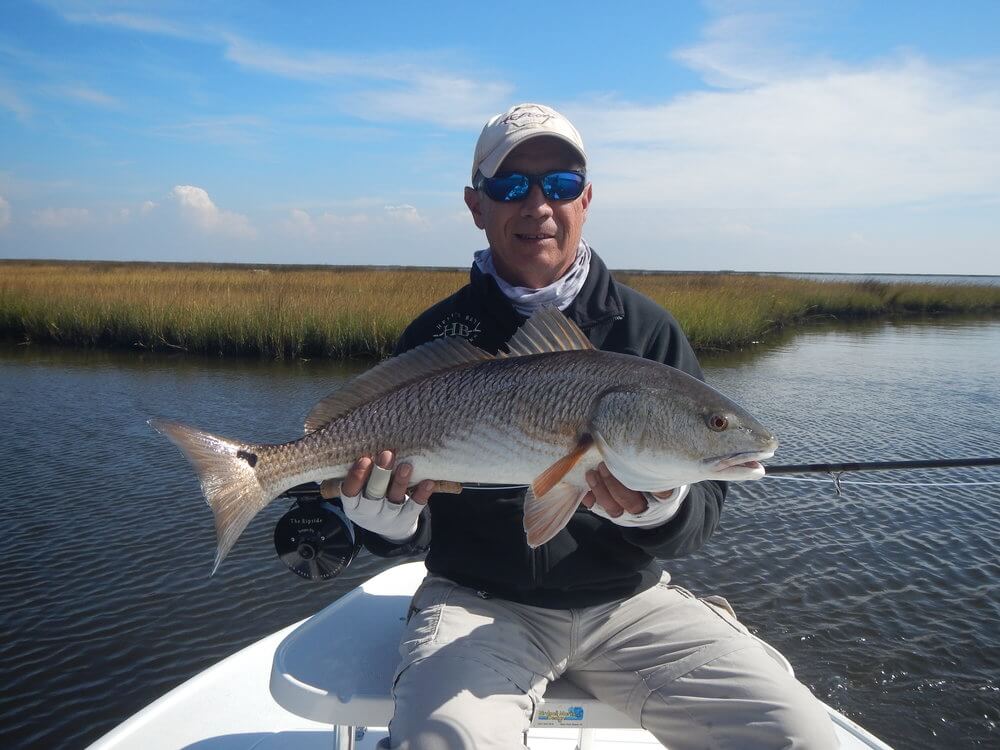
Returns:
(562,186)
(512,187)
(557,186)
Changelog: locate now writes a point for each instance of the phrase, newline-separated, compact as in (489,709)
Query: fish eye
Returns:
(717,422)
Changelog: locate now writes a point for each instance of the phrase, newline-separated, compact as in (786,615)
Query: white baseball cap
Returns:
(522,122)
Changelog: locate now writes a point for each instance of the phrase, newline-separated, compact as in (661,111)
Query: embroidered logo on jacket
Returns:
(458,324)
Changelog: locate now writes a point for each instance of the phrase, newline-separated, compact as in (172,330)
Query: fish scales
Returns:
(543,404)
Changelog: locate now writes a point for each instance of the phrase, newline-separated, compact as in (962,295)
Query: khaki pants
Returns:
(474,670)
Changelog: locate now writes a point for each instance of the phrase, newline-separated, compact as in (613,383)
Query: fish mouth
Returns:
(737,466)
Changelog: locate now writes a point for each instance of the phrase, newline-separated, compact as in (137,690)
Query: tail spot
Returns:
(250,458)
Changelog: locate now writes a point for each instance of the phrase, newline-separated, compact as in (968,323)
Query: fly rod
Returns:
(835,468)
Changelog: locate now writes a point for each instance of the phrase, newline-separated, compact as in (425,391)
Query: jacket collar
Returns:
(596,302)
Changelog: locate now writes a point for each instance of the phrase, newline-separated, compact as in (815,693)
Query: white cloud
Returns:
(404,86)
(897,132)
(300,224)
(385,221)
(410,85)
(197,207)
(14,185)
(794,161)
(406,214)
(88,95)
(225,129)
(12,102)
(135,22)
(328,219)
(125,214)
(61,218)
(747,46)
(307,66)
(110,14)
(439,98)
(4,212)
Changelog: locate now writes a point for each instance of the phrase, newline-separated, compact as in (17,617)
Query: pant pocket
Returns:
(424,615)
(717,605)
(724,610)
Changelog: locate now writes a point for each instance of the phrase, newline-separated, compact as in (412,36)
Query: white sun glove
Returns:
(657,511)
(370,510)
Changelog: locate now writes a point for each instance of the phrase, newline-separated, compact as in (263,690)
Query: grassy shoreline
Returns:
(296,312)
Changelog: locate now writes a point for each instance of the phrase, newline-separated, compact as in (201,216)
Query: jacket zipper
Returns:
(539,563)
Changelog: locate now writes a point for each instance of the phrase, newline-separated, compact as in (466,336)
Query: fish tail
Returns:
(226,470)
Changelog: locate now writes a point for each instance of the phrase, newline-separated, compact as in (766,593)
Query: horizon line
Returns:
(444,269)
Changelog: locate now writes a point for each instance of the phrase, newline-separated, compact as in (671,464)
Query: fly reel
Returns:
(315,539)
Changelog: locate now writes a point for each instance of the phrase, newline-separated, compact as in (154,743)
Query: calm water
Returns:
(885,599)
(900,278)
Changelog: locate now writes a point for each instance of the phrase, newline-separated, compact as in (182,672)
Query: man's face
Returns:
(534,241)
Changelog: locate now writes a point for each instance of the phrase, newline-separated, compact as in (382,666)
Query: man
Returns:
(495,620)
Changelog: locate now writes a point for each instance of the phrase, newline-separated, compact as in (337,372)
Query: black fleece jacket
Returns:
(478,539)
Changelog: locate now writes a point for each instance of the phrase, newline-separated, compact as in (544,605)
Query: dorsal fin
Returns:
(548,330)
(423,361)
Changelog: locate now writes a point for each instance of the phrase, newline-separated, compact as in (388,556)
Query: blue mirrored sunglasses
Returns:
(561,185)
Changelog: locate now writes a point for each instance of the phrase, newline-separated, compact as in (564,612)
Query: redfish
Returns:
(541,414)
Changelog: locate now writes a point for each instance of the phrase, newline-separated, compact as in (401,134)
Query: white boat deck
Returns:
(290,689)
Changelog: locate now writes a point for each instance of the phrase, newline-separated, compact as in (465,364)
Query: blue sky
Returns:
(847,136)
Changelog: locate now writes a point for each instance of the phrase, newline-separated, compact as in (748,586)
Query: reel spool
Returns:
(315,539)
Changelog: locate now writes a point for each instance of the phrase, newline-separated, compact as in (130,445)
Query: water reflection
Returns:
(854,330)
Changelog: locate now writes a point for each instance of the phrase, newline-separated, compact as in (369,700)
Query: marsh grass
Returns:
(294,312)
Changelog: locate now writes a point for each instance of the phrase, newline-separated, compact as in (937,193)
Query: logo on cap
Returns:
(522,116)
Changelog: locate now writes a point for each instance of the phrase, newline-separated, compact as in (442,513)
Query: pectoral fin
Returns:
(546,515)
(553,475)
(550,501)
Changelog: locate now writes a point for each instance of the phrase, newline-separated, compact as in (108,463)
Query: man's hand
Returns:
(611,499)
(361,471)
(384,508)
(614,497)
